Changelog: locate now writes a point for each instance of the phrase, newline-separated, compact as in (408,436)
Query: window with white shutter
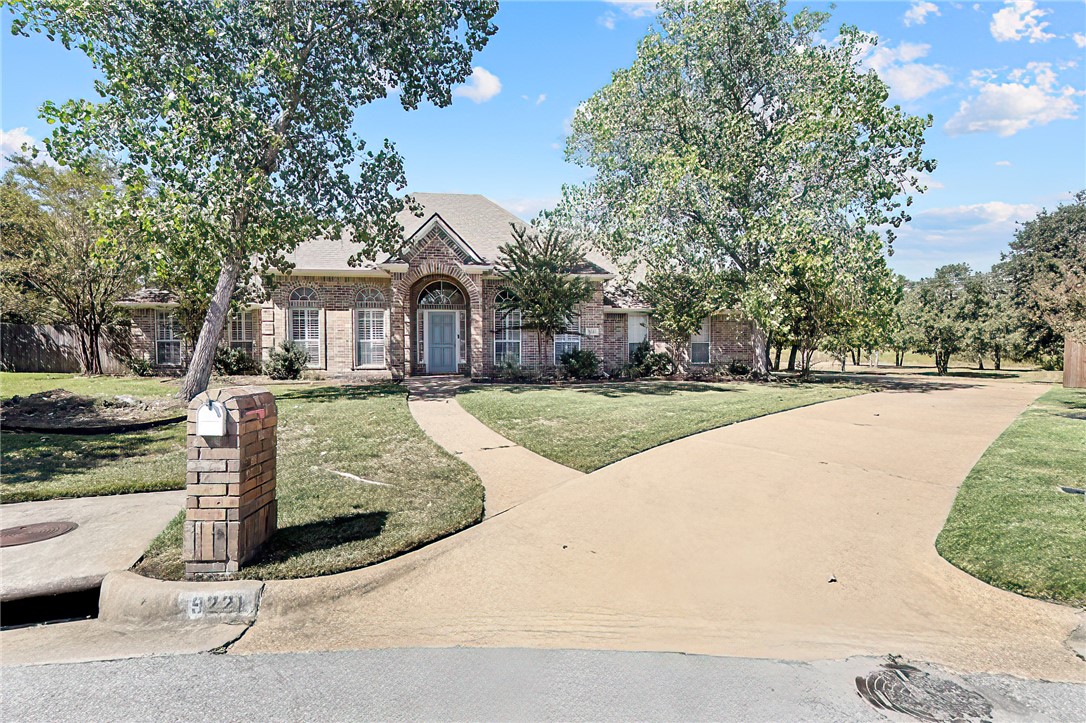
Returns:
(167,339)
(506,329)
(370,328)
(240,332)
(637,332)
(305,322)
(569,340)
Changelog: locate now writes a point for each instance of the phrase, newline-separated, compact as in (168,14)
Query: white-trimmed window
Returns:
(506,329)
(305,322)
(167,339)
(569,340)
(371,328)
(240,332)
(637,332)
(699,344)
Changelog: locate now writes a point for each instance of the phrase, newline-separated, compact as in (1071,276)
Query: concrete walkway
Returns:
(113,533)
(510,473)
(803,535)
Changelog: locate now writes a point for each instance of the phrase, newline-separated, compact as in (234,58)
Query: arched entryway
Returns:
(441,315)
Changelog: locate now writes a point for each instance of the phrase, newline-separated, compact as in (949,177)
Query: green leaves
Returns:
(735,129)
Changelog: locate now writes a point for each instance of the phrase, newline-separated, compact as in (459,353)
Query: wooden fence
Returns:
(39,348)
(1074,363)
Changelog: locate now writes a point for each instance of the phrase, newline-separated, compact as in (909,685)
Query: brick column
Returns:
(231,507)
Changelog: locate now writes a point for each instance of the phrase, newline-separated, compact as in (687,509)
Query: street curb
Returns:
(133,599)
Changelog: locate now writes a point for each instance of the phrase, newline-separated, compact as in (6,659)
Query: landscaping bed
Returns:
(61,411)
(589,426)
(1012,525)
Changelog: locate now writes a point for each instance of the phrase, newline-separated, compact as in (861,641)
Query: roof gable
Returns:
(436,228)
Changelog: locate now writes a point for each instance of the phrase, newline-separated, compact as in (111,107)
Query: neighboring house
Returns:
(430,309)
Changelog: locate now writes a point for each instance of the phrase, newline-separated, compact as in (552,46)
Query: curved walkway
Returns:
(806,534)
(510,473)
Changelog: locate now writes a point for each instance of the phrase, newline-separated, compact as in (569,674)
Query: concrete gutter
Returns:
(132,599)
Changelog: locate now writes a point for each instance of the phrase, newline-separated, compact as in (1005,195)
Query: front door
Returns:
(441,354)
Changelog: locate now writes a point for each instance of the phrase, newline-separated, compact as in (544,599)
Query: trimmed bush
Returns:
(140,366)
(286,361)
(234,362)
(581,364)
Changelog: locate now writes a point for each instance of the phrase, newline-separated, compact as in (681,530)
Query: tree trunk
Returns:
(203,356)
(980,363)
(760,362)
(792,358)
(997,358)
(777,357)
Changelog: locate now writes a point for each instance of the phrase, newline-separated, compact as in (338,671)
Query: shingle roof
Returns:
(482,224)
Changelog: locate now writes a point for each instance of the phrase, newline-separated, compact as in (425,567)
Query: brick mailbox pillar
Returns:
(231,507)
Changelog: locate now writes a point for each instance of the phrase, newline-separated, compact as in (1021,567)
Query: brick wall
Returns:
(614,341)
(338,299)
(231,509)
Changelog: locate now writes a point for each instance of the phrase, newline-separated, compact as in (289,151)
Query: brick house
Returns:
(429,309)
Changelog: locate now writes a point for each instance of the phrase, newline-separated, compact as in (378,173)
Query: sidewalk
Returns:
(510,473)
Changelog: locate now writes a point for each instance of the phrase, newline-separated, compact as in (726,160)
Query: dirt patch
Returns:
(63,411)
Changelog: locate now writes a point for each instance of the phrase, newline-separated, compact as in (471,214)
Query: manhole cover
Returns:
(911,691)
(25,534)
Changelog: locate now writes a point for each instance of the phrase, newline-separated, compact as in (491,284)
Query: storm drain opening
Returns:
(64,607)
(910,691)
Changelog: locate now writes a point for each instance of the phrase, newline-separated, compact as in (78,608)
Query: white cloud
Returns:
(918,12)
(635,8)
(1020,19)
(538,100)
(907,79)
(607,20)
(1080,39)
(11,141)
(1009,107)
(528,208)
(482,85)
(1003,163)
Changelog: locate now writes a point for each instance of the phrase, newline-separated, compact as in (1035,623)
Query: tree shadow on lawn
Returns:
(612,390)
(888,383)
(340,393)
(37,457)
(297,540)
(973,375)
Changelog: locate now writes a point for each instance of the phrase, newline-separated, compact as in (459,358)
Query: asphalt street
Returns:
(493,684)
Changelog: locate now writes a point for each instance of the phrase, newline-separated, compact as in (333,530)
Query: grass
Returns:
(329,523)
(588,427)
(48,466)
(1011,525)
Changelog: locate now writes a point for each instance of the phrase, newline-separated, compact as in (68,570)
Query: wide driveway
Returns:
(804,535)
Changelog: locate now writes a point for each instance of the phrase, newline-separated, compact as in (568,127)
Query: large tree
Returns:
(1047,267)
(736,120)
(941,314)
(681,299)
(538,266)
(232,120)
(56,246)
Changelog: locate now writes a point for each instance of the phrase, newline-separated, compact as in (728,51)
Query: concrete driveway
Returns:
(804,535)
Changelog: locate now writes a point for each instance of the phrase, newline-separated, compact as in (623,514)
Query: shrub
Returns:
(511,371)
(737,368)
(139,366)
(1052,363)
(286,361)
(644,362)
(234,362)
(581,364)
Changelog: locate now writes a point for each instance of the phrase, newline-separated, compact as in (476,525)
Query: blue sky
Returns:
(1005,82)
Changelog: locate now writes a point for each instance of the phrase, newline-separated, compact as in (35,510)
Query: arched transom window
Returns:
(442,293)
(507,322)
(305,322)
(370,328)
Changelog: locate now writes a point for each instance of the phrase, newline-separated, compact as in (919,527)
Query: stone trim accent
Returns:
(231,508)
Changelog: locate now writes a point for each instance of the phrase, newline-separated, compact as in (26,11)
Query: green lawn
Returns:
(327,522)
(47,466)
(588,427)
(1011,526)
